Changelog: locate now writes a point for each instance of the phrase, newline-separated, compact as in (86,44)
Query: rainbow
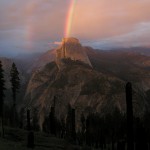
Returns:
(69,19)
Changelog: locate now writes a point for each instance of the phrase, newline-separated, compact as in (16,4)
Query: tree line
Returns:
(114,131)
(15,85)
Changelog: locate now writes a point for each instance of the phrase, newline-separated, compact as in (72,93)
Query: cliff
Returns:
(100,88)
(86,89)
(72,49)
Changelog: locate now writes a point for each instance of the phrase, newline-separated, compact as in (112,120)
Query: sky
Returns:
(35,25)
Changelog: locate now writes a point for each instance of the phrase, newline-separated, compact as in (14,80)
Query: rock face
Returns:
(100,88)
(71,48)
(79,85)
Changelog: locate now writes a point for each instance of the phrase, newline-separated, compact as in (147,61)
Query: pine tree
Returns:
(52,118)
(88,131)
(52,121)
(30,137)
(69,123)
(83,128)
(130,144)
(15,85)
(2,95)
(73,128)
(28,120)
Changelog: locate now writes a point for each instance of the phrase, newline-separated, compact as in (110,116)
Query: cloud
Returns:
(139,37)
(101,19)
(30,25)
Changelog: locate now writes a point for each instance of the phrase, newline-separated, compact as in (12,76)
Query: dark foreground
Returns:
(16,139)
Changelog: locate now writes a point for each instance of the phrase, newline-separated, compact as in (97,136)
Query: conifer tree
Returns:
(28,120)
(15,85)
(130,144)
(2,95)
(30,138)
(52,118)
(73,128)
(69,123)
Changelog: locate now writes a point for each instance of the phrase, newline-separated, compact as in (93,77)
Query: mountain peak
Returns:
(72,49)
(70,40)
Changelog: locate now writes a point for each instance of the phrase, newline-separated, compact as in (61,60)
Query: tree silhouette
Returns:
(73,128)
(52,118)
(28,120)
(140,135)
(130,144)
(83,127)
(2,95)
(15,85)
(70,124)
(30,138)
